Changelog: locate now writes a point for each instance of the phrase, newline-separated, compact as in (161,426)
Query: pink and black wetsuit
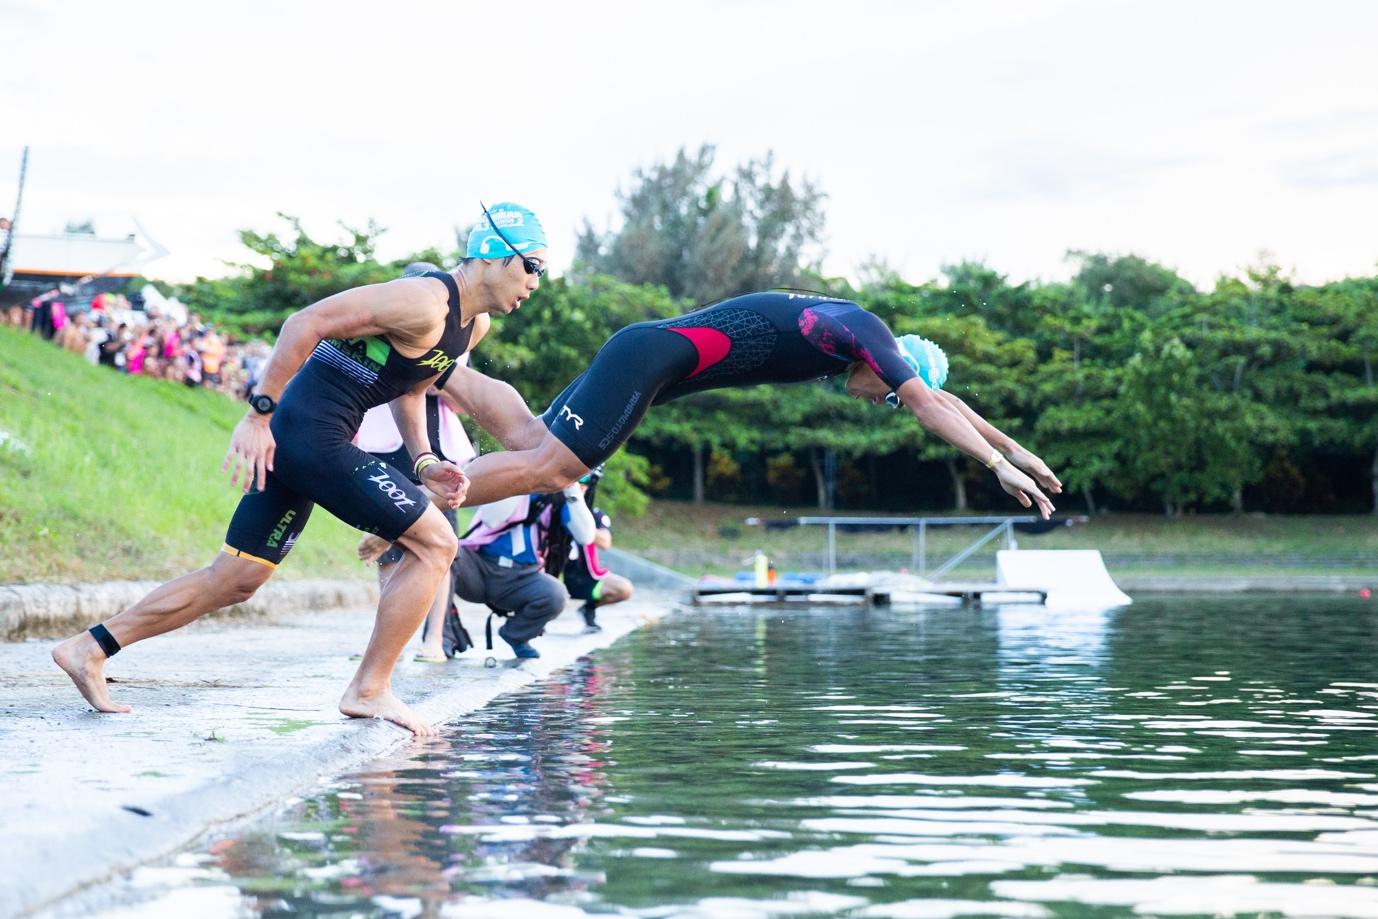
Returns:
(772,337)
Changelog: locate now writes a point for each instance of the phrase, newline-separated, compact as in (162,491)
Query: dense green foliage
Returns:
(1143,392)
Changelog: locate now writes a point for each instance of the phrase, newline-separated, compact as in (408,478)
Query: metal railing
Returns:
(999,526)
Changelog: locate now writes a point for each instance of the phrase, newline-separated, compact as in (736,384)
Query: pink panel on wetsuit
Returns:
(711,344)
(595,566)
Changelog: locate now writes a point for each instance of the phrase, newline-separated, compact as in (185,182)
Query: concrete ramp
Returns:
(1073,578)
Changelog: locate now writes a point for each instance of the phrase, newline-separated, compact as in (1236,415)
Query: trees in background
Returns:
(702,236)
(291,271)
(1141,391)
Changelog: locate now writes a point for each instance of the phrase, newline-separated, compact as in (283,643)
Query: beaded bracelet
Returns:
(425,459)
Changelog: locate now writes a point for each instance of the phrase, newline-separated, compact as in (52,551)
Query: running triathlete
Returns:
(771,337)
(333,361)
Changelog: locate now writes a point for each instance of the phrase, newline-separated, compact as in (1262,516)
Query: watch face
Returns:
(262,404)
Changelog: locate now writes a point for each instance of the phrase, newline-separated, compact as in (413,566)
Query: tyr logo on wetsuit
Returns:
(773,337)
(566,413)
(316,463)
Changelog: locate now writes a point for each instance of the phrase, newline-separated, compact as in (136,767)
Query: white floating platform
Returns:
(1071,578)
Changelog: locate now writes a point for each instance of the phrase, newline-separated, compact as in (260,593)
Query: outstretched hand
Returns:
(1035,467)
(1023,489)
(447,481)
(251,451)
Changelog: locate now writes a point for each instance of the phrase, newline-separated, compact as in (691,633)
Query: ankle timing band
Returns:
(107,642)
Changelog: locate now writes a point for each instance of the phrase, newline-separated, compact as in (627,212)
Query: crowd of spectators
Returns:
(107,329)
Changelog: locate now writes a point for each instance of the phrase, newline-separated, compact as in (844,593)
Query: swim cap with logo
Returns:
(518,224)
(927,359)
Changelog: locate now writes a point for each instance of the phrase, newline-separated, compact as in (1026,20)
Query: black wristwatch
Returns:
(262,404)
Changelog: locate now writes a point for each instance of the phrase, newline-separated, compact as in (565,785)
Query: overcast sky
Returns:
(1195,134)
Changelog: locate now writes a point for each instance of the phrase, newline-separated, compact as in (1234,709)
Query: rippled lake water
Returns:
(1179,757)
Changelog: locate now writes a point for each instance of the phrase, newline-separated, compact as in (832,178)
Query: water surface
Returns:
(1178,757)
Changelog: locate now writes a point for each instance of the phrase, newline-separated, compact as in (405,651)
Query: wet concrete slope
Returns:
(228,718)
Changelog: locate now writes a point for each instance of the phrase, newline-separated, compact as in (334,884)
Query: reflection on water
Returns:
(1175,758)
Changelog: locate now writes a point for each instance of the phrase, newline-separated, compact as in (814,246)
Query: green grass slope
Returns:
(105,476)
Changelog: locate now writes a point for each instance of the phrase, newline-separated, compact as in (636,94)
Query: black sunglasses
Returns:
(530,264)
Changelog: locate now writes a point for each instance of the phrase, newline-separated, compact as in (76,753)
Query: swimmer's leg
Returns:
(613,589)
(591,419)
(226,581)
(549,467)
(265,524)
(429,546)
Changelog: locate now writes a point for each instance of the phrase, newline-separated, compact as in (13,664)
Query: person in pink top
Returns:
(135,355)
(172,344)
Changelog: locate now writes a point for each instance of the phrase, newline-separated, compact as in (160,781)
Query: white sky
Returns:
(1193,133)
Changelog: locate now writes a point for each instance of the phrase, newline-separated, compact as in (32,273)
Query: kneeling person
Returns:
(501,560)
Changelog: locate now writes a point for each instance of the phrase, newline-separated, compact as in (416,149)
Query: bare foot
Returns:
(84,661)
(387,707)
(371,547)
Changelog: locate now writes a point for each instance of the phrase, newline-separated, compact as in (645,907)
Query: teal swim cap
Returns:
(927,359)
(518,224)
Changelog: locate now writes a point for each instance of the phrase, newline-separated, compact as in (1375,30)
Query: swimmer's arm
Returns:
(409,414)
(407,308)
(937,416)
(997,438)
(497,407)
(443,479)
(1021,456)
(396,307)
(943,419)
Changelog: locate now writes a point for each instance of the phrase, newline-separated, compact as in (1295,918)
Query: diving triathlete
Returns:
(381,343)
(771,337)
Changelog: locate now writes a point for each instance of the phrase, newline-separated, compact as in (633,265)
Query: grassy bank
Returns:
(109,476)
(713,538)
